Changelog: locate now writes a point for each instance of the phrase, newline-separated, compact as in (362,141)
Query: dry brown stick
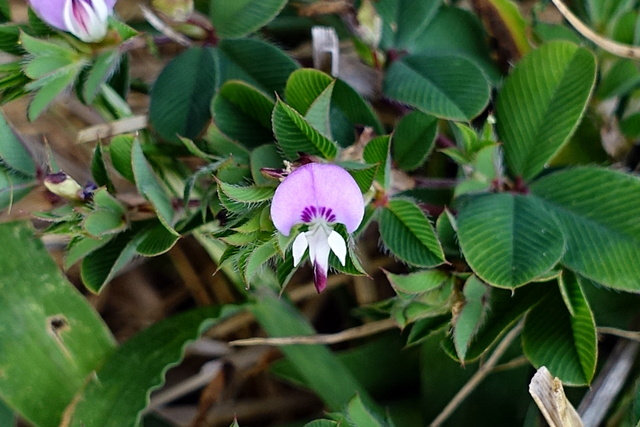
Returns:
(606,387)
(346,335)
(478,377)
(630,335)
(618,49)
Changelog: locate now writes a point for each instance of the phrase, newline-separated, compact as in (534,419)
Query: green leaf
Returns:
(457,31)
(363,174)
(265,156)
(12,152)
(358,414)
(50,86)
(409,20)
(295,134)
(14,186)
(319,112)
(413,140)
(409,235)
(414,283)
(256,62)
(566,344)
(156,239)
(120,153)
(470,318)
(446,86)
(621,78)
(109,398)
(246,194)
(594,207)
(377,152)
(348,108)
(243,114)
(81,246)
(541,103)
(241,17)
(319,368)
(51,47)
(260,255)
(149,187)
(99,169)
(101,265)
(51,337)
(508,239)
(181,96)
(504,309)
(104,66)
(5,11)
(107,216)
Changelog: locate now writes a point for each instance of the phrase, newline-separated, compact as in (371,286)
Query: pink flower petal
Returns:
(317,187)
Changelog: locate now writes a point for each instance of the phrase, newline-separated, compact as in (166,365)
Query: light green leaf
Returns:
(51,337)
(234,19)
(50,86)
(149,187)
(181,95)
(413,140)
(446,86)
(109,398)
(246,194)
(295,134)
(260,255)
(319,111)
(358,414)
(541,103)
(103,67)
(470,318)
(566,344)
(409,235)
(12,152)
(507,239)
(415,283)
(597,209)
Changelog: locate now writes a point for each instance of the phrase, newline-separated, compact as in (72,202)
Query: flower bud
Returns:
(85,19)
(63,185)
(178,10)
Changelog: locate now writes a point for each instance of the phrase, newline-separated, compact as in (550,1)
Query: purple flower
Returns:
(85,19)
(319,195)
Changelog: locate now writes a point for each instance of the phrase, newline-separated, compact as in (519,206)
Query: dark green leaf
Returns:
(413,140)
(534,123)
(120,152)
(446,86)
(566,344)
(508,240)
(409,235)
(243,114)
(260,64)
(149,186)
(233,19)
(377,152)
(595,208)
(181,96)
(469,320)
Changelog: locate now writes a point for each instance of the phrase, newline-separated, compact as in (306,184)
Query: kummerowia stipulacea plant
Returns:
(466,180)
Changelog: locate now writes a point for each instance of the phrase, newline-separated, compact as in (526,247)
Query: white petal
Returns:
(299,247)
(338,246)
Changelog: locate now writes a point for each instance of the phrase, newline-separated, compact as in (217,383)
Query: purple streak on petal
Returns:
(319,278)
(312,187)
